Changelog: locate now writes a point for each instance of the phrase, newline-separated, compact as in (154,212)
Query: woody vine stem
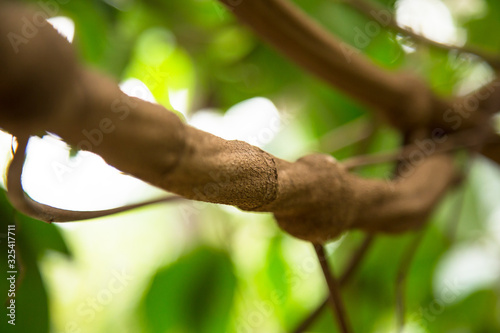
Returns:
(43,88)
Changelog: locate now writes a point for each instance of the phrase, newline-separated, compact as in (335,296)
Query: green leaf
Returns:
(41,236)
(161,65)
(278,274)
(194,294)
(31,300)
(476,313)
(32,239)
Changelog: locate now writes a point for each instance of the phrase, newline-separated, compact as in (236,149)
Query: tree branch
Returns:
(26,205)
(314,198)
(372,11)
(401,98)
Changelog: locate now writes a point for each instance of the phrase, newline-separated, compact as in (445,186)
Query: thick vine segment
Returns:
(314,198)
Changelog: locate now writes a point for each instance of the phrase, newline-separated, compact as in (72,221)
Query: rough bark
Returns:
(314,198)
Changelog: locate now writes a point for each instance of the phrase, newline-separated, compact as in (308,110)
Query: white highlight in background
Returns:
(84,182)
(64,25)
(179,99)
(430,18)
(136,88)
(256,121)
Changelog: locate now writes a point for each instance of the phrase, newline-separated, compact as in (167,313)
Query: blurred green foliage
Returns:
(32,240)
(197,48)
(192,295)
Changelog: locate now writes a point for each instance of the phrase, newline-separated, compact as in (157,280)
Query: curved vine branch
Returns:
(372,10)
(353,265)
(314,198)
(26,205)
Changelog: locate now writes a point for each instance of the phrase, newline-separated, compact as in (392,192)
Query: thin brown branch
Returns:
(352,266)
(26,205)
(335,298)
(465,139)
(374,11)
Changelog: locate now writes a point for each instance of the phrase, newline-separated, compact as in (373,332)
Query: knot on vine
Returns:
(323,205)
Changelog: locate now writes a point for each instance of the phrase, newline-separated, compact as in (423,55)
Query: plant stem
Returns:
(335,297)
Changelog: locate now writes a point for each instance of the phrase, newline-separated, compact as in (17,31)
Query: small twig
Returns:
(367,9)
(353,264)
(401,278)
(466,139)
(26,205)
(335,297)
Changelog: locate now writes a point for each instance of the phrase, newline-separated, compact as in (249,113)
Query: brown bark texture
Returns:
(43,89)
